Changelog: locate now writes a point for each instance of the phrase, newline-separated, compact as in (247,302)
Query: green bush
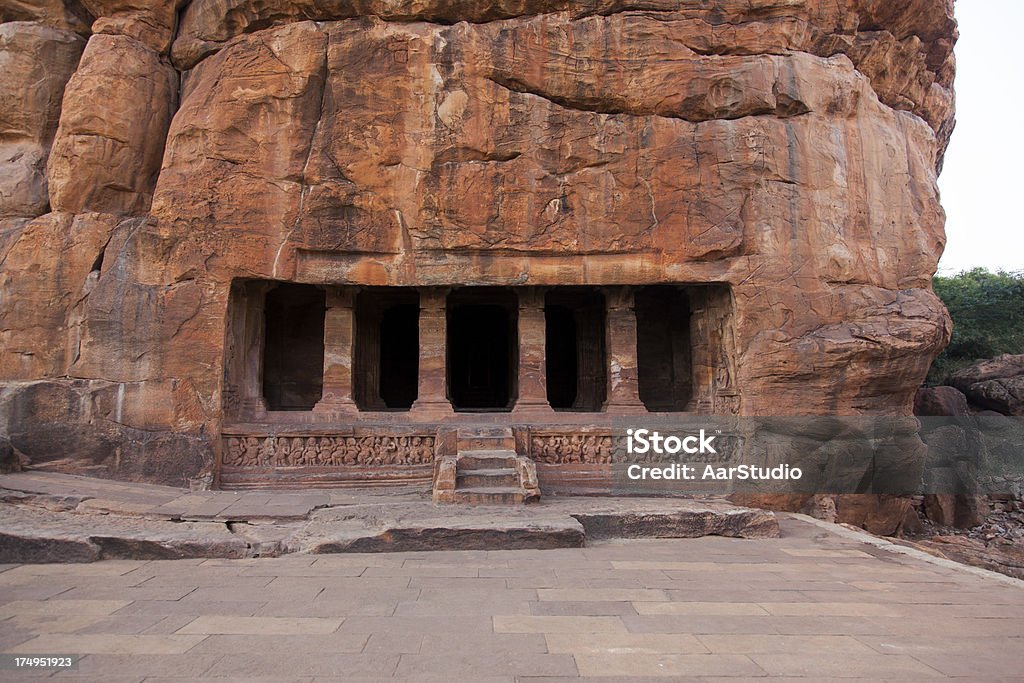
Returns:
(988,318)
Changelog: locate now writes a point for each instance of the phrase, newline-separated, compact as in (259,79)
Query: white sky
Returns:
(982,180)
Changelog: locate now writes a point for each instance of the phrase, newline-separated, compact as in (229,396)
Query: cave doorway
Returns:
(386,353)
(664,351)
(293,360)
(575,358)
(482,349)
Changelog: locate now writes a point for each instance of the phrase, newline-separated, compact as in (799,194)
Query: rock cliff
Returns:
(153,152)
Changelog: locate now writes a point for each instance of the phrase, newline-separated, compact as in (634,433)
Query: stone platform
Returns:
(51,517)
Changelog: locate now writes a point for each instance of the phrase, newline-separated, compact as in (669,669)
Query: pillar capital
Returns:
(531,298)
(341,297)
(620,297)
(433,298)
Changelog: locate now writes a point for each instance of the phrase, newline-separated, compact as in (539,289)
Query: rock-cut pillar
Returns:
(623,378)
(431,396)
(253,339)
(533,392)
(339,337)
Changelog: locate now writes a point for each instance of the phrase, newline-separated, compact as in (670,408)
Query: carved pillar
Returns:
(339,335)
(623,382)
(253,341)
(431,395)
(533,391)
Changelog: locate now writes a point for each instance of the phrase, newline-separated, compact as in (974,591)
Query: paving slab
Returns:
(817,603)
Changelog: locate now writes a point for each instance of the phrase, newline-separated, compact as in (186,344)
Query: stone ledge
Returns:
(43,536)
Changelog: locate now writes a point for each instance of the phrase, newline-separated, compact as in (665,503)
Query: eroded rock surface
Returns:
(996,384)
(785,150)
(36,62)
(114,119)
(151,22)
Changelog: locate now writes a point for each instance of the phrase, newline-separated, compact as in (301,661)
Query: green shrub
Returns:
(988,318)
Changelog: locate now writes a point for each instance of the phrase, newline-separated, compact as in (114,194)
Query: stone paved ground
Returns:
(815,604)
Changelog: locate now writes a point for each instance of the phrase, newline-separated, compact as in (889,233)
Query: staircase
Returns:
(486,470)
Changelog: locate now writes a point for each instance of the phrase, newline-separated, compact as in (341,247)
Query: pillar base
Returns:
(432,409)
(626,409)
(336,406)
(539,409)
(254,407)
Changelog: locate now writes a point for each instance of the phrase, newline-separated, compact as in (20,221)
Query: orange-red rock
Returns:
(63,14)
(115,115)
(151,22)
(786,150)
(36,62)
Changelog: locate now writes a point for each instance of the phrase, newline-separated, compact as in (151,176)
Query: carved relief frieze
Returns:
(565,449)
(327,451)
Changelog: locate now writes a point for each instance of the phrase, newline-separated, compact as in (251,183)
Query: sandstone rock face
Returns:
(786,151)
(110,140)
(36,62)
(151,23)
(70,15)
(54,259)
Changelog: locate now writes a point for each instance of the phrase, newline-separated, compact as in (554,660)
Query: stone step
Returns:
(487,430)
(505,495)
(486,442)
(496,478)
(486,460)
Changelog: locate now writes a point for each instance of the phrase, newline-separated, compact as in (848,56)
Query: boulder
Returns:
(996,384)
(940,401)
(116,111)
(44,417)
(1000,367)
(962,511)
(1004,395)
(876,513)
